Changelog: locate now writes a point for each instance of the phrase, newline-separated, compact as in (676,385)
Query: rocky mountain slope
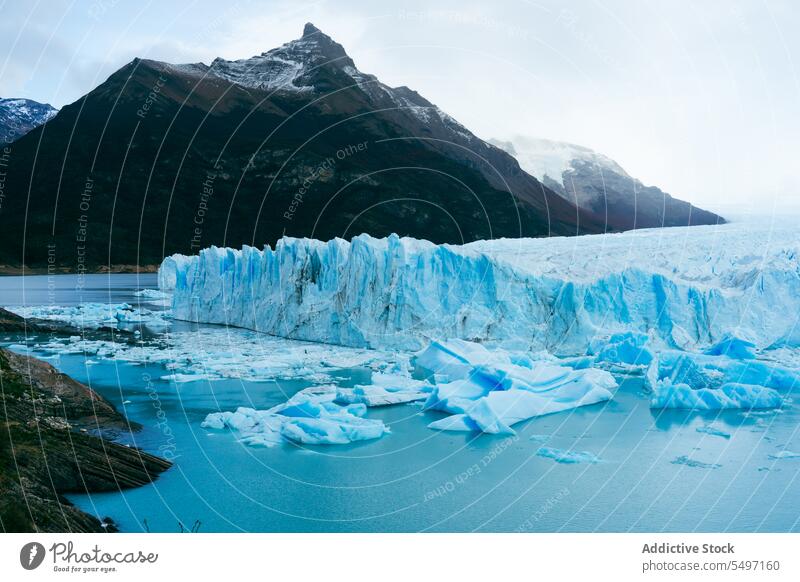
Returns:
(166,158)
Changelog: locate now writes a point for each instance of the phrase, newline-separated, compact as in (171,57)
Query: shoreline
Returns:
(57,437)
(23,271)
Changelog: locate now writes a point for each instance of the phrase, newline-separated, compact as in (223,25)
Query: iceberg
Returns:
(310,417)
(628,348)
(385,390)
(567,457)
(730,395)
(491,394)
(686,288)
(733,347)
(714,382)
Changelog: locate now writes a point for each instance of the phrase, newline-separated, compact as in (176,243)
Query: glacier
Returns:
(680,288)
(693,309)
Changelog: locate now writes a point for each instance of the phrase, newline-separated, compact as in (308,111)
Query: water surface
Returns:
(416,479)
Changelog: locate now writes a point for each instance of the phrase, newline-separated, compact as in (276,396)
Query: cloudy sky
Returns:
(701,98)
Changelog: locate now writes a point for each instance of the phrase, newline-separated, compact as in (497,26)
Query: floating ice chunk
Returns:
(498,410)
(153,294)
(386,389)
(733,347)
(730,395)
(684,460)
(707,382)
(310,417)
(706,371)
(333,430)
(567,457)
(784,455)
(492,394)
(95,315)
(713,431)
(621,348)
(454,359)
(154,297)
(184,378)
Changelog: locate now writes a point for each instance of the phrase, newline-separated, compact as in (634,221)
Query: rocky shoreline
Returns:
(25,270)
(54,439)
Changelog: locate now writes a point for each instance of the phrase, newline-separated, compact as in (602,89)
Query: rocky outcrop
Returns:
(53,440)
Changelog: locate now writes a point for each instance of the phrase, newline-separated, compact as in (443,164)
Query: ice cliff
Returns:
(680,288)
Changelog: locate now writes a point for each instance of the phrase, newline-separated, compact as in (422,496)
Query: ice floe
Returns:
(312,416)
(685,460)
(709,382)
(729,395)
(713,431)
(484,391)
(784,455)
(216,353)
(567,457)
(385,389)
(96,315)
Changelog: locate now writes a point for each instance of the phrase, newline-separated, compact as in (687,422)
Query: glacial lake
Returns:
(656,472)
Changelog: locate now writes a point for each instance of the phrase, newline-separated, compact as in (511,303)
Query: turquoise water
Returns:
(416,479)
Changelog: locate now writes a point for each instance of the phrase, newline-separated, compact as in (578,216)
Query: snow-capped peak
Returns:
(285,67)
(544,157)
(19,116)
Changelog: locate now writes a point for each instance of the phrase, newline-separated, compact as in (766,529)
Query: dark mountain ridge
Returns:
(165,158)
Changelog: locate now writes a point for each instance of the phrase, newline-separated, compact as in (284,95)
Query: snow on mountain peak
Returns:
(284,68)
(19,116)
(544,157)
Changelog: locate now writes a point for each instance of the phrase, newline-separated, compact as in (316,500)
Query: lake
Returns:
(656,471)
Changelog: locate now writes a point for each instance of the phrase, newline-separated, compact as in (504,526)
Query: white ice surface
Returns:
(684,288)
(95,315)
(492,394)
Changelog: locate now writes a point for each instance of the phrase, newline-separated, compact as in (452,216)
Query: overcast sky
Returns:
(699,98)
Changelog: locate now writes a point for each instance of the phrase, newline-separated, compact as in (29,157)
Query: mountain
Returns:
(599,185)
(164,158)
(19,116)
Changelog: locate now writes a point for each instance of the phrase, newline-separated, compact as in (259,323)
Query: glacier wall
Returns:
(685,287)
